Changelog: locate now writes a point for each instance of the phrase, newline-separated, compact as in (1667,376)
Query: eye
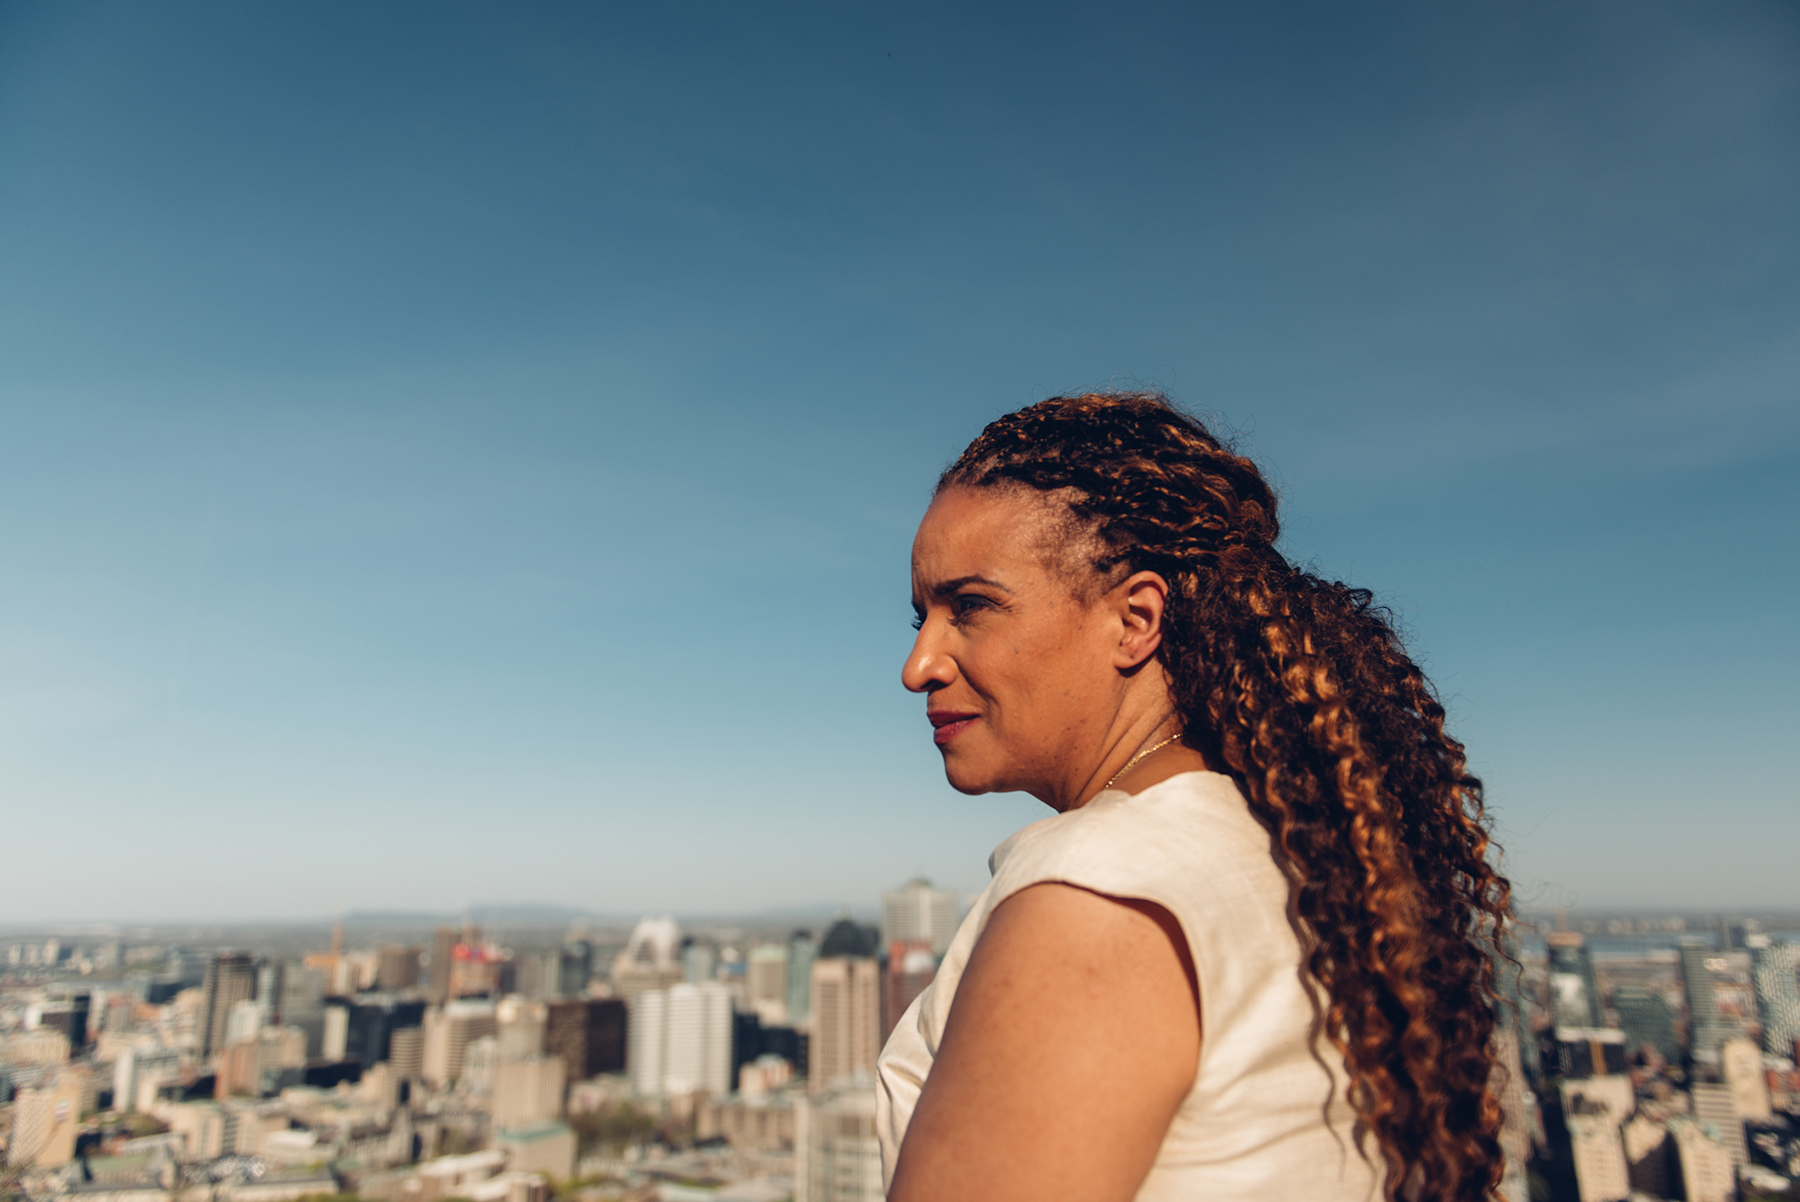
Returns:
(964,604)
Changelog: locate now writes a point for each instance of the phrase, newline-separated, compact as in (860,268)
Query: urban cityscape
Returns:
(1646,1057)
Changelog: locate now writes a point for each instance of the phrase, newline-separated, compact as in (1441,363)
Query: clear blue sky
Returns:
(459,453)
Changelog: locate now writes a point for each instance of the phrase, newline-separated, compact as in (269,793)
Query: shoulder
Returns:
(1174,836)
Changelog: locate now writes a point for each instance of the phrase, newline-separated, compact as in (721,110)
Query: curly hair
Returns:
(1301,690)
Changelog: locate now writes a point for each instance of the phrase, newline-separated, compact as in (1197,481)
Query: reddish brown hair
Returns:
(1300,688)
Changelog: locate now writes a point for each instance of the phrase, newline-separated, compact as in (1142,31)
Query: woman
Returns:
(1251,957)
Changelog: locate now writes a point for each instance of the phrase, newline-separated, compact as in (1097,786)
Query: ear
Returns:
(1140,598)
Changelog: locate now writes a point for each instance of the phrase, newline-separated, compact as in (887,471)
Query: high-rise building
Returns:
(588,1034)
(443,954)
(802,951)
(1646,1019)
(1515,1121)
(910,968)
(1574,992)
(1705,1031)
(1648,1151)
(1590,1052)
(1593,1111)
(230,978)
(1716,1111)
(766,982)
(449,1030)
(1707,1172)
(406,1052)
(917,913)
(837,1157)
(846,1034)
(1772,971)
(651,959)
(575,967)
(368,1026)
(681,1040)
(70,1016)
(397,968)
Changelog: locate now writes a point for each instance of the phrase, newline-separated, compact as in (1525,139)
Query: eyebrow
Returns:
(950,586)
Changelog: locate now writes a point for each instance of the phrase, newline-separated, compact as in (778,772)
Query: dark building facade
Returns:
(588,1034)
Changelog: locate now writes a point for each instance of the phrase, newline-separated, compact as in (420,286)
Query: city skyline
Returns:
(473,454)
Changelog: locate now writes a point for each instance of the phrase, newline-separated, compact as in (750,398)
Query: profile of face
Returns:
(1027,674)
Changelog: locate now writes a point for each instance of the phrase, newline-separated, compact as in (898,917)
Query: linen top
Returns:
(1267,1117)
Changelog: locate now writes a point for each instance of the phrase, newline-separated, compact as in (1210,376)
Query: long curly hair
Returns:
(1300,689)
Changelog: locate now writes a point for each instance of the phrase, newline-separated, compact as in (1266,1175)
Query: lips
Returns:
(947,724)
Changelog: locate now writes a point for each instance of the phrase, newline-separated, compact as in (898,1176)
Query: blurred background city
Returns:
(457,470)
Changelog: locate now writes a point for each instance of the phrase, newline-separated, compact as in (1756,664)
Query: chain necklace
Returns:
(1129,764)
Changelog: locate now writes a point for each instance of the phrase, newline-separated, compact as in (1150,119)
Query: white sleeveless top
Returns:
(1267,1118)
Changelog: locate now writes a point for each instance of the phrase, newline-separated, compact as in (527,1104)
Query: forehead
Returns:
(1008,535)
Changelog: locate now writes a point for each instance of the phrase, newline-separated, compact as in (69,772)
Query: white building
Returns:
(1594,1110)
(680,1040)
(917,912)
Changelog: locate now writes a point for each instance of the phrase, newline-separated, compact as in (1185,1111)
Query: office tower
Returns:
(230,978)
(766,982)
(449,1030)
(1588,1143)
(651,959)
(574,968)
(846,1034)
(699,961)
(837,1157)
(910,967)
(699,1032)
(477,969)
(1648,1151)
(406,1052)
(369,1026)
(139,1073)
(1716,1111)
(397,968)
(1743,1070)
(648,1042)
(917,913)
(1573,990)
(1646,1019)
(1705,1032)
(443,954)
(1707,1172)
(1777,995)
(681,1040)
(802,951)
(527,1089)
(588,1034)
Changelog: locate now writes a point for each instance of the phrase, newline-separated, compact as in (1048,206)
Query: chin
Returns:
(968,779)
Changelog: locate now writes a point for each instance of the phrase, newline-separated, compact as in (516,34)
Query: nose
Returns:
(927,667)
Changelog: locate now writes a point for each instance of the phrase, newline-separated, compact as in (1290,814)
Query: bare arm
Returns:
(1073,1039)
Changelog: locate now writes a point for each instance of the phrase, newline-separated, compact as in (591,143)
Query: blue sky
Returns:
(458,453)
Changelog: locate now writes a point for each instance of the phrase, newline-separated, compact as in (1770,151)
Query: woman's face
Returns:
(1017,669)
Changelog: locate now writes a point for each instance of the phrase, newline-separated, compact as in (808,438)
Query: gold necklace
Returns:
(1134,759)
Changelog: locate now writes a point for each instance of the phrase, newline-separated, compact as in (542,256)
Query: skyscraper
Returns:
(651,959)
(917,913)
(1646,1019)
(1573,990)
(397,968)
(443,954)
(1777,995)
(1742,1063)
(1705,1031)
(766,982)
(680,1040)
(588,1034)
(802,951)
(846,1035)
(575,966)
(230,978)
